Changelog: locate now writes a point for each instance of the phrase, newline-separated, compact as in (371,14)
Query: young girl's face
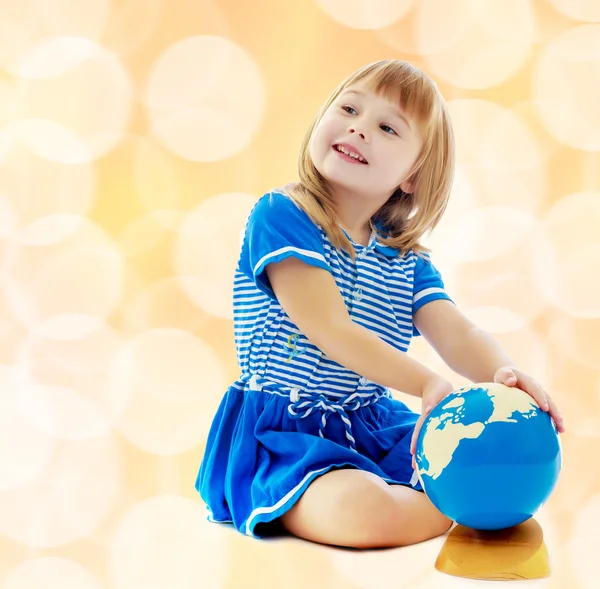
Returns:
(365,144)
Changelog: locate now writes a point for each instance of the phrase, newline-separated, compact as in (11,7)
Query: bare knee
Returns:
(358,509)
(383,515)
(346,508)
(371,513)
(342,507)
(395,521)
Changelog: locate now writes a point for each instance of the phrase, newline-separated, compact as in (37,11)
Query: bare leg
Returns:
(357,509)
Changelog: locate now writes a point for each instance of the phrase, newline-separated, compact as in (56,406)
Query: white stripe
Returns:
(254,297)
(415,478)
(426,292)
(376,284)
(282,250)
(403,292)
(218,521)
(260,510)
(301,366)
(403,288)
(242,281)
(388,317)
(248,321)
(334,377)
(391,333)
(211,518)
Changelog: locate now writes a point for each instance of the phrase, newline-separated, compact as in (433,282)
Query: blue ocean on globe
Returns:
(488,457)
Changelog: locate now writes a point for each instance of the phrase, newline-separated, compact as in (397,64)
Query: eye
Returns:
(348,109)
(387,129)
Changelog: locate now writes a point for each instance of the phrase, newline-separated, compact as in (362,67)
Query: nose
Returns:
(353,129)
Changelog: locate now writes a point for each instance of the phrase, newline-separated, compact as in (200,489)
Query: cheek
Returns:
(319,142)
(327,128)
(393,166)
(313,149)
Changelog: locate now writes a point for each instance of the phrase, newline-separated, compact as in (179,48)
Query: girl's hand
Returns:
(513,377)
(433,392)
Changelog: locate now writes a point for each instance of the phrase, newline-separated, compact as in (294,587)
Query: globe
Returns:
(488,457)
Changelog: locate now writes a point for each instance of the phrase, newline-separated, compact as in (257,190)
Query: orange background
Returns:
(135,135)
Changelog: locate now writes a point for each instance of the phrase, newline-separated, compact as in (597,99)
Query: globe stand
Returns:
(515,553)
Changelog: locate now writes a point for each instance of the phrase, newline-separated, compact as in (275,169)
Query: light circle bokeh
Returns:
(162,304)
(586,10)
(161,428)
(51,572)
(70,388)
(566,87)
(513,20)
(577,338)
(75,100)
(436,26)
(488,232)
(68,287)
(8,217)
(208,248)
(498,150)
(69,501)
(25,450)
(132,23)
(205,97)
(66,188)
(166,542)
(174,365)
(25,23)
(468,52)
(432,26)
(565,268)
(150,232)
(365,14)
(583,547)
(172,401)
(156,182)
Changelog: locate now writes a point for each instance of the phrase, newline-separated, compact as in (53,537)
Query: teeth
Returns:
(351,154)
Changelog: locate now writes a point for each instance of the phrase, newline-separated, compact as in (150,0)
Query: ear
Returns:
(409,184)
(407,187)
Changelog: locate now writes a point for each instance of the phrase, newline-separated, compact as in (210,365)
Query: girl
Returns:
(331,285)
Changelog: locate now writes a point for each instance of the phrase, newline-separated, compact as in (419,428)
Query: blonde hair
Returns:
(404,218)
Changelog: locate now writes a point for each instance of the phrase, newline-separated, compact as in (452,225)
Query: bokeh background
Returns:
(135,135)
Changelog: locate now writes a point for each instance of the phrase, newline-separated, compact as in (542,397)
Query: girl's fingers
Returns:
(503,375)
(413,440)
(556,416)
(535,390)
(418,425)
(544,400)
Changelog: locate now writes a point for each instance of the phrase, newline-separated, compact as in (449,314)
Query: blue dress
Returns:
(294,413)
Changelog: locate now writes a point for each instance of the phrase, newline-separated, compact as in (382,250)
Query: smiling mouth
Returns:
(349,155)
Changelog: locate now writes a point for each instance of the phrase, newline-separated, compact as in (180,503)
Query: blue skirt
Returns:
(260,458)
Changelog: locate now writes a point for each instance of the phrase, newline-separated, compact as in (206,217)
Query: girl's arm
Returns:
(312,300)
(465,348)
(475,354)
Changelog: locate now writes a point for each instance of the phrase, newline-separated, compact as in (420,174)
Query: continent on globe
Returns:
(506,405)
(444,433)
(443,437)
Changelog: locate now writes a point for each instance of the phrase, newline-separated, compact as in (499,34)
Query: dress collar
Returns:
(373,244)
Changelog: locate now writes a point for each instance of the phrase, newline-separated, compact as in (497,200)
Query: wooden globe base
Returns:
(516,553)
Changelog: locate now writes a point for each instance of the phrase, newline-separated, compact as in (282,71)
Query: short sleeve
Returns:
(278,229)
(428,285)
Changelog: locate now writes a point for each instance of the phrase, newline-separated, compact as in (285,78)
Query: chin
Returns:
(350,187)
(345,174)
